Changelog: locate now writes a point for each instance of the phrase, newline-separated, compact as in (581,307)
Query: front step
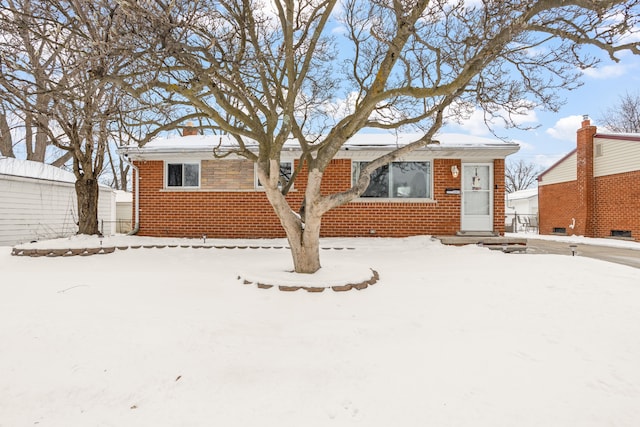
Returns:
(471,233)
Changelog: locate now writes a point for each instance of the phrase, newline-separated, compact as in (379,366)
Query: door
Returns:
(477,197)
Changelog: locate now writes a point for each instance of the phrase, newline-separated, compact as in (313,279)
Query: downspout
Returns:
(136,226)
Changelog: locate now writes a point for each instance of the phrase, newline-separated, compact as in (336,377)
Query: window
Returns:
(183,174)
(286,169)
(408,180)
(620,233)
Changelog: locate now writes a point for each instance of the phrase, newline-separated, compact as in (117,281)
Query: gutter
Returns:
(136,227)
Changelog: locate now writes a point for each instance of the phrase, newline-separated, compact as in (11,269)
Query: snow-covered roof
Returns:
(363,141)
(36,170)
(523,194)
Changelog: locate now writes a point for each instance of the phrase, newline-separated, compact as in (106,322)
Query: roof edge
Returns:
(553,166)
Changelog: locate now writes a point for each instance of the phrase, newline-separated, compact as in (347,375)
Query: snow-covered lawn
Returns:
(448,337)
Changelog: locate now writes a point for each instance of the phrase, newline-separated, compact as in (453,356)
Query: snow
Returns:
(208,142)
(523,194)
(37,170)
(449,336)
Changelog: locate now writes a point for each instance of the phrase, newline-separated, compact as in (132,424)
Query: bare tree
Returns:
(17,40)
(56,59)
(266,71)
(6,139)
(624,116)
(520,175)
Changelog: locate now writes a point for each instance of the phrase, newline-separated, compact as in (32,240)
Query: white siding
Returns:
(123,217)
(564,171)
(618,156)
(106,211)
(36,209)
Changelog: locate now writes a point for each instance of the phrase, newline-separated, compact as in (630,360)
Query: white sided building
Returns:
(38,201)
(521,209)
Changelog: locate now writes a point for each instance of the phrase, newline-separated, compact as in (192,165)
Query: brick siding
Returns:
(248,214)
(597,204)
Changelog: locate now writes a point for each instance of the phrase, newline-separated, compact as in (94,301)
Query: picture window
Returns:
(397,180)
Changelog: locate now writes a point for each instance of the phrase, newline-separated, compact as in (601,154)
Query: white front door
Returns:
(477,197)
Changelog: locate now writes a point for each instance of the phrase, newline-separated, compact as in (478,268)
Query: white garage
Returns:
(38,201)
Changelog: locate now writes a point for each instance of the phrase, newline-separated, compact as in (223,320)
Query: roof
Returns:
(36,170)
(598,135)
(449,142)
(523,194)
(553,166)
(621,136)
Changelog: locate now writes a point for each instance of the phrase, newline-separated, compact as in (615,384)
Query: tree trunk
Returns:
(6,141)
(304,237)
(303,232)
(305,246)
(87,194)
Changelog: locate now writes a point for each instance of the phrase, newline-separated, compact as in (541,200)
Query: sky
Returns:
(449,336)
(555,134)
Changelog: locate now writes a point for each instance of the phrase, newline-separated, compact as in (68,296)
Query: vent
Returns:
(559,230)
(599,150)
(621,233)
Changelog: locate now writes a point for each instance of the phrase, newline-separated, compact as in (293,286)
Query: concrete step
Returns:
(476,233)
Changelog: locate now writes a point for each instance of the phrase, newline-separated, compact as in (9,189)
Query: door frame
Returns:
(474,223)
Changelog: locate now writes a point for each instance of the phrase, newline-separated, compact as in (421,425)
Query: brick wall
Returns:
(597,204)
(557,205)
(618,206)
(498,196)
(248,214)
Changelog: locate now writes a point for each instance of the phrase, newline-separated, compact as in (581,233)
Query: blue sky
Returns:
(555,135)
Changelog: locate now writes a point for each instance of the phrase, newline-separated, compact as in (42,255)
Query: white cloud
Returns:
(565,128)
(607,71)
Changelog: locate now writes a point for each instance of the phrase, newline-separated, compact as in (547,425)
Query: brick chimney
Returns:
(189,129)
(585,211)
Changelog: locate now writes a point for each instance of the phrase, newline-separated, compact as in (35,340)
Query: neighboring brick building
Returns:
(457,184)
(594,191)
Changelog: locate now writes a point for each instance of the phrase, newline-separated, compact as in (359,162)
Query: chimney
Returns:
(585,215)
(189,129)
(585,120)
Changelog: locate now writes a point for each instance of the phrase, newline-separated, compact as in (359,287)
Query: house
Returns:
(593,191)
(522,210)
(38,201)
(454,185)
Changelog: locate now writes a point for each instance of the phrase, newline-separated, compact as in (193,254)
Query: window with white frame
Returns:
(183,175)
(401,180)
(286,169)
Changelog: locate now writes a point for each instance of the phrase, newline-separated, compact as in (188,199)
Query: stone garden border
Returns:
(65,252)
(336,288)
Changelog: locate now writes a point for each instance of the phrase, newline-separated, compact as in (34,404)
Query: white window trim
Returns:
(256,181)
(182,187)
(397,199)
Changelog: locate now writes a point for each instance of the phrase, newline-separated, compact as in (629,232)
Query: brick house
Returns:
(594,191)
(456,184)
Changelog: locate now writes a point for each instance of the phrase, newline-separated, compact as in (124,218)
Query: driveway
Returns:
(630,257)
